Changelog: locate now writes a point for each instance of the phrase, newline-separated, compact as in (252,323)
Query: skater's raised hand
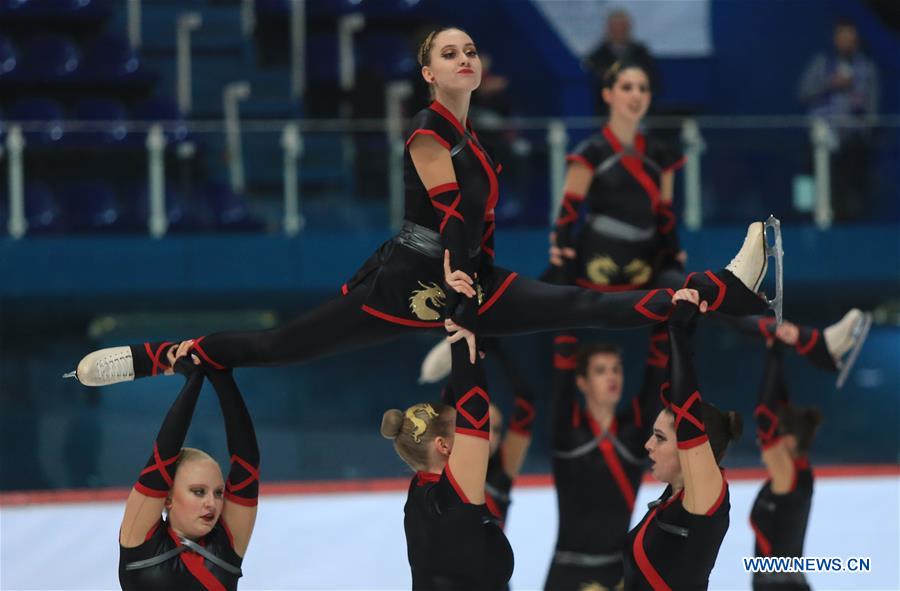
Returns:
(788,333)
(176,353)
(457,280)
(457,332)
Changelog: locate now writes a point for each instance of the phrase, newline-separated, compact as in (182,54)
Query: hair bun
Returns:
(735,425)
(391,423)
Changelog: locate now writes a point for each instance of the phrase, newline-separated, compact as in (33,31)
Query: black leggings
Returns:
(527,306)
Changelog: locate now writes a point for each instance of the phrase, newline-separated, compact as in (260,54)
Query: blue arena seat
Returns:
(165,110)
(92,206)
(110,58)
(46,112)
(46,58)
(229,211)
(100,109)
(9,57)
(42,210)
(181,216)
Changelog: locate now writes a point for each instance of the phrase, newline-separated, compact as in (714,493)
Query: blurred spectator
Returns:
(617,46)
(841,86)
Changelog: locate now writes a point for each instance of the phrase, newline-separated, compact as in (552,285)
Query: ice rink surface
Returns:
(355,540)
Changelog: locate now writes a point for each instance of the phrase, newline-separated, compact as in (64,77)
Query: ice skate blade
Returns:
(860,333)
(70,374)
(776,252)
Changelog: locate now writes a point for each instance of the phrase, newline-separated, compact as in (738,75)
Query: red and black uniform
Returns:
(166,560)
(629,235)
(597,476)
(779,520)
(453,544)
(672,549)
(400,288)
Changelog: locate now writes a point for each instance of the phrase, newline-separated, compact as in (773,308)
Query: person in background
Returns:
(841,87)
(618,46)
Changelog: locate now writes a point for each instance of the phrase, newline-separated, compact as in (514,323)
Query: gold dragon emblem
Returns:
(601,269)
(419,425)
(420,298)
(638,271)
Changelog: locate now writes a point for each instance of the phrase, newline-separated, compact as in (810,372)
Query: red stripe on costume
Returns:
(580,160)
(636,407)
(675,165)
(250,468)
(344,289)
(566,339)
(473,432)
(227,531)
(643,562)
(153,530)
(459,491)
(769,444)
(656,356)
(765,325)
(460,407)
(493,187)
(399,320)
(765,411)
(722,290)
(423,478)
(493,300)
(197,567)
(244,501)
(804,349)
(682,412)
(431,133)
(196,347)
(635,166)
(641,309)
(449,211)
(149,492)
(565,362)
(492,506)
(154,357)
(160,465)
(615,466)
(718,503)
(765,546)
(692,443)
(441,188)
(446,114)
(523,426)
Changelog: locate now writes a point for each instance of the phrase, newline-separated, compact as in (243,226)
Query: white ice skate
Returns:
(437,364)
(105,367)
(844,340)
(752,262)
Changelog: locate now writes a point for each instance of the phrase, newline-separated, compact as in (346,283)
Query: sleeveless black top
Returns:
(779,520)
(625,188)
(673,549)
(187,570)
(452,545)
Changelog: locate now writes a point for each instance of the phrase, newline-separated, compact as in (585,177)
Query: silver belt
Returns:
(567,558)
(613,228)
(185,546)
(425,241)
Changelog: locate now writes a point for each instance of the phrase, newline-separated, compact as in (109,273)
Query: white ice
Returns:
(355,541)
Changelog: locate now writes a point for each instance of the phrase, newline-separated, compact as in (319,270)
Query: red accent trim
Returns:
(615,466)
(565,362)
(399,320)
(243,501)
(692,443)
(459,491)
(683,411)
(488,232)
(657,357)
(643,562)
(344,289)
(442,188)
(765,324)
(639,307)
(635,166)
(576,414)
(804,349)
(493,299)
(769,434)
(493,188)
(196,346)
(566,339)
(449,211)
(473,433)
(499,168)
(492,505)
(675,165)
(666,212)
(662,393)
(522,426)
(197,567)
(149,492)
(582,282)
(769,444)
(250,468)
(430,132)
(423,478)
(227,531)
(153,530)
(154,357)
(319,487)
(160,465)
(446,114)
(765,546)
(636,408)
(460,407)
(801,463)
(718,503)
(723,289)
(580,160)
(568,213)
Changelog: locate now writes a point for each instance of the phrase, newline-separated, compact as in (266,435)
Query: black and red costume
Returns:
(597,474)
(453,544)
(166,560)
(400,288)
(779,520)
(672,549)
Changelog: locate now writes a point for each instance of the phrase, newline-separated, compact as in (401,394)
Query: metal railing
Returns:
(288,136)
